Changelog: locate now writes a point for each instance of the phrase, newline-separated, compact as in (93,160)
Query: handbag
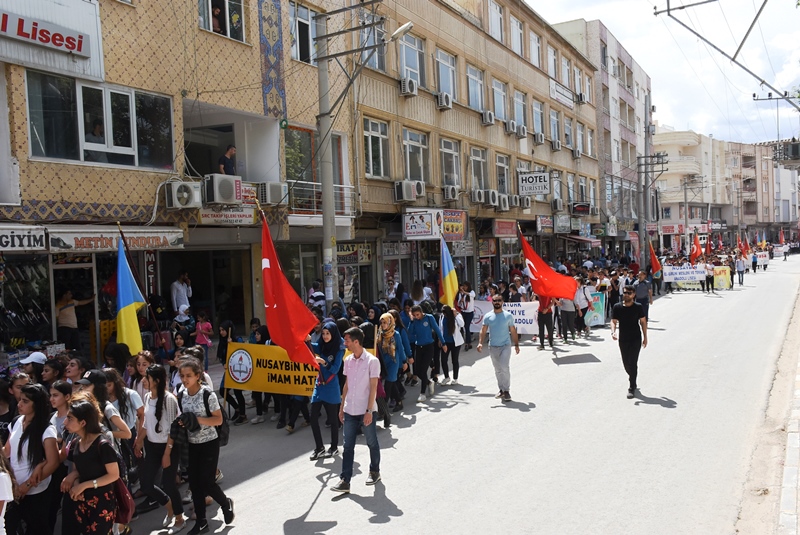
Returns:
(125,504)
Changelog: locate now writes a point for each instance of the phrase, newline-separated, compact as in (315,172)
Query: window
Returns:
(556,187)
(475,88)
(94,123)
(765,187)
(451,162)
(520,108)
(223,17)
(582,189)
(666,212)
(415,154)
(554,120)
(568,141)
(637,90)
(578,79)
(588,92)
(501,169)
(661,185)
(579,138)
(592,192)
(566,71)
(570,188)
(716,213)
(299,148)
(479,168)
(500,92)
(552,62)
(603,55)
(517,41)
(615,108)
(446,67)
(616,150)
(590,142)
(371,36)
(376,148)
(538,117)
(412,59)
(766,211)
(695,212)
(536,49)
(304,31)
(496,20)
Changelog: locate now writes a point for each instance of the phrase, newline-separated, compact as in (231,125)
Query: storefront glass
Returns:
(25,297)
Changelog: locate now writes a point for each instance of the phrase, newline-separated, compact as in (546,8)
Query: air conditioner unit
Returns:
(615,71)
(490,197)
(555,144)
(476,196)
(526,201)
(273,193)
(576,153)
(450,193)
(223,189)
(502,205)
(419,188)
(522,131)
(487,118)
(514,200)
(594,210)
(557,205)
(538,138)
(581,98)
(181,195)
(408,87)
(444,101)
(405,191)
(511,127)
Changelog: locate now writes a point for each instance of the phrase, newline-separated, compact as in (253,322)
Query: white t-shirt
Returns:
(134,402)
(196,404)
(21,465)
(169,413)
(6,495)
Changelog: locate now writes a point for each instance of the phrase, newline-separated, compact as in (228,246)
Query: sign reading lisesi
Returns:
(43,33)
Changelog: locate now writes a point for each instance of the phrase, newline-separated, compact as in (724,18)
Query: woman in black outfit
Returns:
(226,334)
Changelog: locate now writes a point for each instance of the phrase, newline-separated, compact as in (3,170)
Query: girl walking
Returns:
(451,324)
(329,353)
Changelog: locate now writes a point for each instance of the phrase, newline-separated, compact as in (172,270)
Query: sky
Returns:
(693,86)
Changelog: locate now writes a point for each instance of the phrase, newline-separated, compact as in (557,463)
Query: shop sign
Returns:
(598,229)
(561,94)
(719,225)
(586,230)
(353,253)
(534,183)
(672,229)
(580,208)
(652,228)
(504,228)
(463,248)
(611,226)
(100,239)
(150,271)
(249,194)
(396,248)
(423,225)
(574,223)
(455,225)
(21,238)
(544,224)
(487,247)
(240,216)
(625,226)
(701,228)
(562,224)
(39,32)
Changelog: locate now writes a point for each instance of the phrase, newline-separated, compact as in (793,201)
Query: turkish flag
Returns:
(780,237)
(739,243)
(697,249)
(544,281)
(708,245)
(288,318)
(655,265)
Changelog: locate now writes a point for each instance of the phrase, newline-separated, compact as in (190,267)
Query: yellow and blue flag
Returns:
(448,285)
(129,301)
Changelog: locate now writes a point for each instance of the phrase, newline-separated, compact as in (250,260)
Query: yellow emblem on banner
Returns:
(261,368)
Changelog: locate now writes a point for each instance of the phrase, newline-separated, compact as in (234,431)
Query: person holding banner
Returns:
(500,326)
(626,319)
(328,353)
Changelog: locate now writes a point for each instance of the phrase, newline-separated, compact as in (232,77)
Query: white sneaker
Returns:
(445,381)
(251,403)
(257,420)
(430,388)
(454,382)
(274,418)
(421,398)
(187,498)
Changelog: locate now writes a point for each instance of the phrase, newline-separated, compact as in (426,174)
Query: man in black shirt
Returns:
(226,163)
(627,318)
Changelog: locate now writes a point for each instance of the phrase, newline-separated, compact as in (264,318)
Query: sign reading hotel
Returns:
(534,184)
(42,33)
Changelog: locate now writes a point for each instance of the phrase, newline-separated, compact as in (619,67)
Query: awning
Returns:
(580,239)
(96,239)
(15,237)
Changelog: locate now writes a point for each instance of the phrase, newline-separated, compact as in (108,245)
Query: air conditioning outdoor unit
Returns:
(182,195)
(514,201)
(273,193)
(557,205)
(511,127)
(616,71)
(490,197)
(522,131)
(223,189)
(538,138)
(419,187)
(444,101)
(526,201)
(450,193)
(594,210)
(581,98)
(502,205)
(576,153)
(476,196)
(405,191)
(555,144)
(487,118)
(408,87)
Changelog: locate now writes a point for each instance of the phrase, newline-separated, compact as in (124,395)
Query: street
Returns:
(569,455)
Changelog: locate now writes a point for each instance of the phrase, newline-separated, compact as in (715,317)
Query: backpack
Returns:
(223,429)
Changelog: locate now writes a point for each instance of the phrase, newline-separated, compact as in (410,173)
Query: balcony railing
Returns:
(306,198)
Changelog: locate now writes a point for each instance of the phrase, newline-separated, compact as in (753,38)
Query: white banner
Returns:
(683,273)
(778,251)
(524,316)
(763,258)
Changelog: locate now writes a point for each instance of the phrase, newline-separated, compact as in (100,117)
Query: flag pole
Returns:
(135,273)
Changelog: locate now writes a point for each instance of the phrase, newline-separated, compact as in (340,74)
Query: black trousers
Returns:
(630,359)
(453,350)
(545,320)
(422,361)
(297,406)
(468,316)
(203,459)
(710,283)
(168,490)
(332,414)
(235,399)
(33,509)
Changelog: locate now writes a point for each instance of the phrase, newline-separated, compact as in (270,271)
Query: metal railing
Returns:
(306,198)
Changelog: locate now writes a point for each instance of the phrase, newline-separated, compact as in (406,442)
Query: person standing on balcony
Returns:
(226,164)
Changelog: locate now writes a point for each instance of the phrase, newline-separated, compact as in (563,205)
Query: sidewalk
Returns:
(787,522)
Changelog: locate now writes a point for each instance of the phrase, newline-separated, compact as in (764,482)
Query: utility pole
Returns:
(645,165)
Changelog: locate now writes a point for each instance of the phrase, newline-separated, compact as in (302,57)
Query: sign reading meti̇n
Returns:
(261,368)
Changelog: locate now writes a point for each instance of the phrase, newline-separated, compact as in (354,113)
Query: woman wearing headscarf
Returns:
(357,309)
(374,315)
(391,350)
(329,352)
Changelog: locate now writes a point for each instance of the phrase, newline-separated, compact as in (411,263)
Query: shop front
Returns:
(397,264)
(487,254)
(425,228)
(356,271)
(562,228)
(545,230)
(456,233)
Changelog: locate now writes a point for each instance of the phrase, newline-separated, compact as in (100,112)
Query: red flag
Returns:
(780,237)
(288,318)
(544,281)
(697,249)
(739,243)
(655,265)
(708,244)
(719,240)
(746,243)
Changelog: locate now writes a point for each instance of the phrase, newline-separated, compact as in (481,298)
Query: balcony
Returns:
(305,198)
(684,165)
(683,139)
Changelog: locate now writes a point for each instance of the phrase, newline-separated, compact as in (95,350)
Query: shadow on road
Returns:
(665,402)
(583,358)
(521,406)
(301,525)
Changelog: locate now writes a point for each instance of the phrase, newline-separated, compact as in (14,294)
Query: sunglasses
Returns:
(497,300)
(628,292)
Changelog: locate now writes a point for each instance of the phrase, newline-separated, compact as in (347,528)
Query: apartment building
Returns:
(484,114)
(624,119)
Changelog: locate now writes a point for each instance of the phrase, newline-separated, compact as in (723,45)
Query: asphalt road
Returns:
(570,454)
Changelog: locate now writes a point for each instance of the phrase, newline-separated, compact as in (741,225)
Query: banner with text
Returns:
(763,258)
(524,316)
(261,368)
(596,315)
(683,273)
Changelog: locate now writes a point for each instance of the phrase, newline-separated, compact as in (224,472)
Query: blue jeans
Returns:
(351,425)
